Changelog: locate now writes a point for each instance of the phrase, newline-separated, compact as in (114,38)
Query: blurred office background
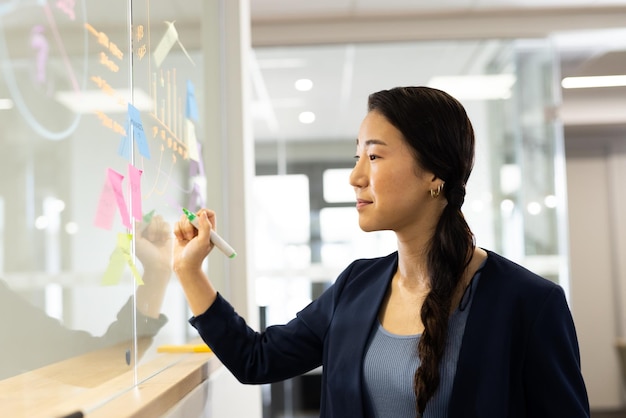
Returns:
(547,188)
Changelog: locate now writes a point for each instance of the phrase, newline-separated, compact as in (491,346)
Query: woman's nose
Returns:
(357,175)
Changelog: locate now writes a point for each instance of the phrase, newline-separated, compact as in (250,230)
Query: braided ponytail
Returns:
(450,252)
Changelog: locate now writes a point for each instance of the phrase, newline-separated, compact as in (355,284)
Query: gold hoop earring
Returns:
(434,193)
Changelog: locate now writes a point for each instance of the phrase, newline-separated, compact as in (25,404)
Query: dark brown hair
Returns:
(439,132)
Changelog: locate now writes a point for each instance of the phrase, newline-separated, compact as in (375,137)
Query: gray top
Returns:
(391,360)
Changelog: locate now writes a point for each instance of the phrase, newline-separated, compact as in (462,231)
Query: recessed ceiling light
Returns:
(41,222)
(534,208)
(307,117)
(304,84)
(71,228)
(550,201)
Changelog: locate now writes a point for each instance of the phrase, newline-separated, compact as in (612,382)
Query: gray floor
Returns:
(594,414)
(608,414)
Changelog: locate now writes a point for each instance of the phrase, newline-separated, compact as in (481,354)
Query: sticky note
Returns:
(165,44)
(196,167)
(113,273)
(191,108)
(134,178)
(191,141)
(123,244)
(134,271)
(115,180)
(136,127)
(118,261)
(125,146)
(105,212)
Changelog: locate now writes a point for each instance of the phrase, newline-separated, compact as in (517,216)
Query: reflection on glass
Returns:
(33,334)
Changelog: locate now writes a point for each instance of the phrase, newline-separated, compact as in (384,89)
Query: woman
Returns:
(439,328)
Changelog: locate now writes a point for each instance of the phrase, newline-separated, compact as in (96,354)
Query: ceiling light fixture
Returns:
(475,87)
(594,81)
(303,84)
(307,117)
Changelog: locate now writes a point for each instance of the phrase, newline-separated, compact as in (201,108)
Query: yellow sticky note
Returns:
(119,259)
(123,242)
(134,270)
(114,270)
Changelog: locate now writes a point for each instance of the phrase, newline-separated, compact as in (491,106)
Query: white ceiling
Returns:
(298,9)
(350,48)
(336,43)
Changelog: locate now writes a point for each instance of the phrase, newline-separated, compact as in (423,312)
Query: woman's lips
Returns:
(361,203)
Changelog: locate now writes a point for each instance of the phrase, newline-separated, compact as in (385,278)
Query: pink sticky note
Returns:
(134,176)
(106,207)
(115,179)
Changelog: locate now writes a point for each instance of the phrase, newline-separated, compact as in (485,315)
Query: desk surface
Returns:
(97,388)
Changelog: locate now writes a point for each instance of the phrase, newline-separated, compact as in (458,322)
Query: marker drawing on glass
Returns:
(215,238)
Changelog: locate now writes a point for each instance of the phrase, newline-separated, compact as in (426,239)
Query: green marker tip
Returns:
(148,216)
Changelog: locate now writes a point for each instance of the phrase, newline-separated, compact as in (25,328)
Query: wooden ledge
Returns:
(90,386)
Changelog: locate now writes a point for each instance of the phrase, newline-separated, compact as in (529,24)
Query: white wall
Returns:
(596,168)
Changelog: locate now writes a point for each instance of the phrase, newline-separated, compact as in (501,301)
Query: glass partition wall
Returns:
(101,146)
(308,105)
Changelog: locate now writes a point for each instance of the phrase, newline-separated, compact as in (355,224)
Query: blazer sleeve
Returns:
(278,353)
(553,381)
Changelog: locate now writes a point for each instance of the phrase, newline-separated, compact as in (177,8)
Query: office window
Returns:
(343,240)
(336,185)
(281,223)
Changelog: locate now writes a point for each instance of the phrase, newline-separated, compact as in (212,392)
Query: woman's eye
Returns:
(372,157)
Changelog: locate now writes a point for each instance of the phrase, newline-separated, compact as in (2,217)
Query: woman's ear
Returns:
(436,182)
(436,186)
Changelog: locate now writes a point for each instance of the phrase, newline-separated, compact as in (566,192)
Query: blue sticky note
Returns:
(191,111)
(134,119)
(124,148)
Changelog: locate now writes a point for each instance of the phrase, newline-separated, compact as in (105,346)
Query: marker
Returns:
(184,348)
(146,219)
(215,238)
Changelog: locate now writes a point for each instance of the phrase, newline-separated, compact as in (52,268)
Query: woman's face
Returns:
(392,191)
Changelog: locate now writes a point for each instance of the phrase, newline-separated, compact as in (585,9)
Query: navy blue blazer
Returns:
(519,356)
